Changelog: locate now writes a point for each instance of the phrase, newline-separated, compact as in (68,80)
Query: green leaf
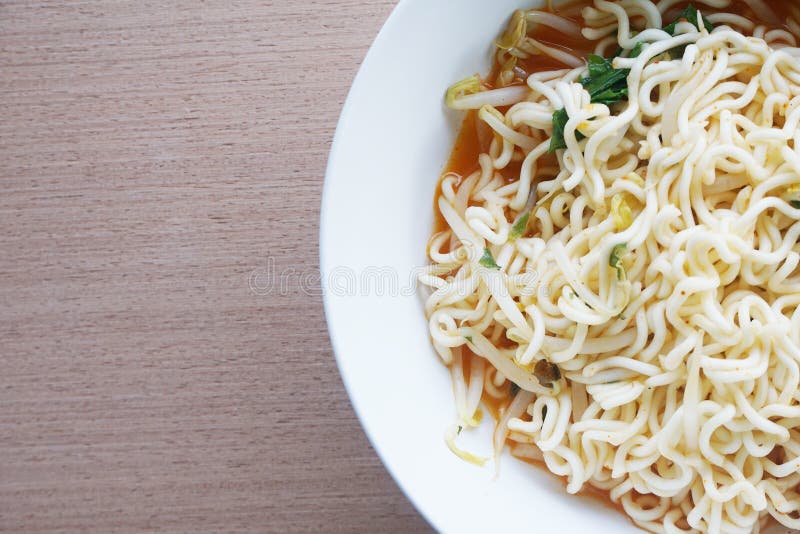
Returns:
(520,226)
(638,49)
(689,14)
(795,204)
(488,260)
(677,52)
(605,85)
(603,77)
(597,65)
(560,119)
(615,260)
(611,96)
(460,428)
(468,338)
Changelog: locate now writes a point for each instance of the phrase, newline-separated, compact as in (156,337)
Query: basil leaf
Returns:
(795,204)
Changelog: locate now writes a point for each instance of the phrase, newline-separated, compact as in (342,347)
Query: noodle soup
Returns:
(615,261)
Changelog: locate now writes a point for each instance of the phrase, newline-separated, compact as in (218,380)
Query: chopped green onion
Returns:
(520,226)
(488,260)
(615,260)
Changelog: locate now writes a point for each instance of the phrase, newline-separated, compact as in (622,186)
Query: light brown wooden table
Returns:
(153,156)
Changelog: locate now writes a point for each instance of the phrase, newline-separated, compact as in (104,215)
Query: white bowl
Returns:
(393,138)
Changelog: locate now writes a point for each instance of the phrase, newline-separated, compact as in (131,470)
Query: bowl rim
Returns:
(325,214)
(443,513)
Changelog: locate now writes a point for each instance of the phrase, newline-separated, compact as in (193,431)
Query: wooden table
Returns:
(156,159)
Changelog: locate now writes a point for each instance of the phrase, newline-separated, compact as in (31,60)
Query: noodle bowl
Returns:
(632,294)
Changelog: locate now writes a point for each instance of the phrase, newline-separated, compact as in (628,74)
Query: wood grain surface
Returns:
(156,158)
